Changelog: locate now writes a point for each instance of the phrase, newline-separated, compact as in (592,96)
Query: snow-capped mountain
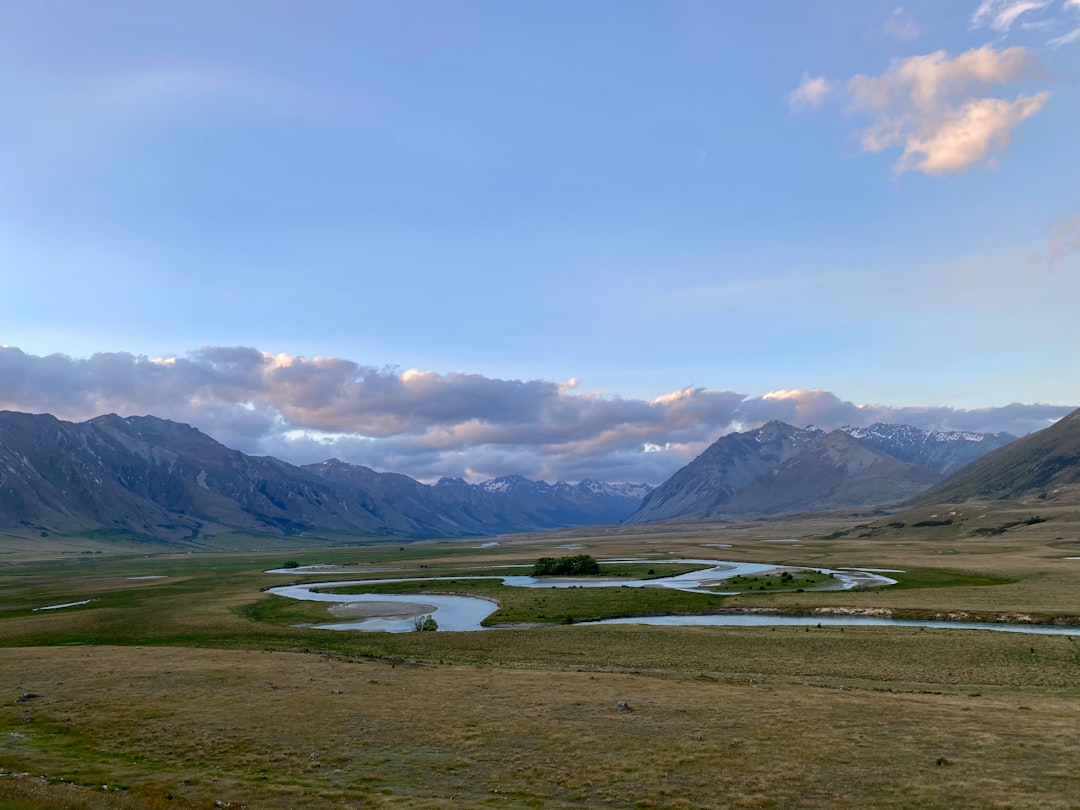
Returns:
(778,468)
(704,486)
(1045,464)
(942,451)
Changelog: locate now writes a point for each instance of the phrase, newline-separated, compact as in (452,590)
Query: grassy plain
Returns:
(196,688)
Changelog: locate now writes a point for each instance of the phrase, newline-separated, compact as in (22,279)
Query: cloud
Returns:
(811,93)
(961,140)
(901,26)
(932,107)
(1064,238)
(1001,14)
(1065,39)
(426,424)
(1071,36)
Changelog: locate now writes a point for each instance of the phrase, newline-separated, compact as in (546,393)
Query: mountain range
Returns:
(778,468)
(152,478)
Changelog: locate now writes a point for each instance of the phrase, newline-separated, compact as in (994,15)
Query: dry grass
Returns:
(278,730)
(203,711)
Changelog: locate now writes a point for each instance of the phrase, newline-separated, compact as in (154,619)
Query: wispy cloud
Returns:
(1071,36)
(62,128)
(933,107)
(901,26)
(1065,39)
(428,424)
(811,93)
(1033,15)
(1064,238)
(1000,15)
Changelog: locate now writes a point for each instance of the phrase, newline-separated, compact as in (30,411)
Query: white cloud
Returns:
(1001,14)
(1071,36)
(934,108)
(1064,39)
(810,93)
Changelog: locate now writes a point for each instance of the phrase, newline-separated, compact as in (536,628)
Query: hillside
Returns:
(1034,465)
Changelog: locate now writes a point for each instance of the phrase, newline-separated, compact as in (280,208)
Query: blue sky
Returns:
(636,206)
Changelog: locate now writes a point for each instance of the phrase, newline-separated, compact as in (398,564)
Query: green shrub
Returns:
(579,565)
(425,623)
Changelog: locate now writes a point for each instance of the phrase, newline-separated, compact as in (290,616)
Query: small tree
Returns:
(425,623)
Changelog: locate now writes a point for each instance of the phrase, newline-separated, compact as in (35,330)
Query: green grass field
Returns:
(197,687)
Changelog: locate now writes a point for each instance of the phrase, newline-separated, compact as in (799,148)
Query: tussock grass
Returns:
(195,689)
(278,730)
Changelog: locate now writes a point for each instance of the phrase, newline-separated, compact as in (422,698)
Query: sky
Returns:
(555,239)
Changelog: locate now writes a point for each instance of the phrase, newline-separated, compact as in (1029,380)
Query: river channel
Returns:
(394,613)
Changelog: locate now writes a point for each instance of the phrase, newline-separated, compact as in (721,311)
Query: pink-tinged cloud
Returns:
(811,93)
(936,109)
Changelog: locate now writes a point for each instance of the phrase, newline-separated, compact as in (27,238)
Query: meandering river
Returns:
(465,613)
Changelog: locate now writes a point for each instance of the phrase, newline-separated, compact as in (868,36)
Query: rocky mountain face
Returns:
(1040,464)
(778,468)
(704,487)
(152,478)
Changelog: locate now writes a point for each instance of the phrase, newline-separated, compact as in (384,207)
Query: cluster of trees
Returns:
(579,565)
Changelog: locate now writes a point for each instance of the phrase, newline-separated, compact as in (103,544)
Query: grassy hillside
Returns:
(1034,465)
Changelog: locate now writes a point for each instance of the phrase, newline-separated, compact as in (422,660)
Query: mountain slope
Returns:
(158,479)
(779,468)
(155,478)
(1035,464)
(704,486)
(836,472)
(513,503)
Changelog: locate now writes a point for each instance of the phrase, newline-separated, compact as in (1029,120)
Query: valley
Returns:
(197,686)
(615,406)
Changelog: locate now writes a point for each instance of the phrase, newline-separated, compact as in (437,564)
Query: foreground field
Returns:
(195,689)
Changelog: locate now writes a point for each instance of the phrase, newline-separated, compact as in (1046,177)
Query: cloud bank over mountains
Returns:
(426,424)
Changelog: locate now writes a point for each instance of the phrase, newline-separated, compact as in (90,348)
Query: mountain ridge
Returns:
(168,481)
(778,469)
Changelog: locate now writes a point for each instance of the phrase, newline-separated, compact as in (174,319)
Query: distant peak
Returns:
(447,481)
